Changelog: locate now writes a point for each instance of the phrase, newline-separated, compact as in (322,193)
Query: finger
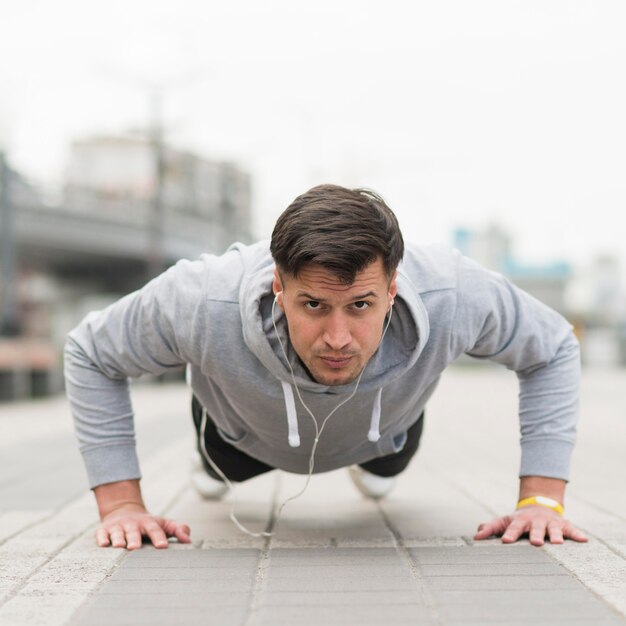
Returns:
(133,537)
(538,532)
(485,531)
(571,532)
(555,532)
(514,531)
(118,537)
(182,533)
(494,527)
(156,534)
(174,529)
(102,537)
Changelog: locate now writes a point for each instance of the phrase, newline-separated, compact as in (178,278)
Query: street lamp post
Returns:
(156,217)
(155,254)
(8,317)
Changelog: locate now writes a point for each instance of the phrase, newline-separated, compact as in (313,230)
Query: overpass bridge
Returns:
(98,245)
(114,246)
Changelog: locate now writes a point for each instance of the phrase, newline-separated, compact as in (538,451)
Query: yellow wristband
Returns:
(555,505)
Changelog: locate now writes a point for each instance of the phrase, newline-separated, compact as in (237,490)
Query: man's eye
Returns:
(312,304)
(361,305)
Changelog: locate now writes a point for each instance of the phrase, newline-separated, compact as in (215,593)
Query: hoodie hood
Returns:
(401,346)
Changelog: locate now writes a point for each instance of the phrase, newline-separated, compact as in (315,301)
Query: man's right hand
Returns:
(125,527)
(125,519)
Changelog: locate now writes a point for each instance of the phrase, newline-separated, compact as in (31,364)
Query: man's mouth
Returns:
(336,362)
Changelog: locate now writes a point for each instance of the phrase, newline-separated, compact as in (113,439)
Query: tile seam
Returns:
(41,520)
(552,553)
(591,505)
(414,569)
(263,563)
(16,590)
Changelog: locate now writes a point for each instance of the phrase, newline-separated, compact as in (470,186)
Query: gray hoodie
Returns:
(215,314)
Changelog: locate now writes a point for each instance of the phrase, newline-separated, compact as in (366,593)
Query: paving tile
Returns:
(530,612)
(491,569)
(163,587)
(345,516)
(434,542)
(341,572)
(224,573)
(334,556)
(44,611)
(210,521)
(115,587)
(465,621)
(13,522)
(344,615)
(598,567)
(182,599)
(337,583)
(332,598)
(471,554)
(496,597)
(191,558)
(199,557)
(504,583)
(162,616)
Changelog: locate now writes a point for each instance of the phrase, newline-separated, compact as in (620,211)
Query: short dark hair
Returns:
(343,230)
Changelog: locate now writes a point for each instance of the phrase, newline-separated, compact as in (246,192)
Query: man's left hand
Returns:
(536,521)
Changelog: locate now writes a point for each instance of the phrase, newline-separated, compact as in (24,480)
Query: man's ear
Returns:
(393,287)
(277,287)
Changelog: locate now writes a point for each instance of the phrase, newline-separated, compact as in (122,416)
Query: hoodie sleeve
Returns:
(133,336)
(496,320)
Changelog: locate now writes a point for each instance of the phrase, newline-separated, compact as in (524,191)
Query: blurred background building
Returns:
(592,299)
(129,208)
(461,111)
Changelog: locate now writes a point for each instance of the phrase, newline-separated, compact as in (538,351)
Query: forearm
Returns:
(103,418)
(548,410)
(113,496)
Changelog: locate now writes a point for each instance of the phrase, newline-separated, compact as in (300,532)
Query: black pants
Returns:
(238,466)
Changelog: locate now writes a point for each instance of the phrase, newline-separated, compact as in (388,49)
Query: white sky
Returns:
(456,111)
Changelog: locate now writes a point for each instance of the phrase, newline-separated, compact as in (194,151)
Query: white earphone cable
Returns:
(318,433)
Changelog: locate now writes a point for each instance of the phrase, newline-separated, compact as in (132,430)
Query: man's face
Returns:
(335,328)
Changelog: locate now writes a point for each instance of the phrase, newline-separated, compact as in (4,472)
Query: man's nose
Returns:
(337,332)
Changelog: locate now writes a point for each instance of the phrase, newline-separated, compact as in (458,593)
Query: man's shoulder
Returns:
(430,267)
(219,276)
(245,255)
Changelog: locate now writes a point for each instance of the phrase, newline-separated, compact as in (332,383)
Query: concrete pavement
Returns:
(334,557)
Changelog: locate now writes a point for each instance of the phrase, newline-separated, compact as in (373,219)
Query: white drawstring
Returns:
(374,433)
(292,415)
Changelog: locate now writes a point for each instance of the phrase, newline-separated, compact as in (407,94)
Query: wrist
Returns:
(124,495)
(544,501)
(532,486)
(119,507)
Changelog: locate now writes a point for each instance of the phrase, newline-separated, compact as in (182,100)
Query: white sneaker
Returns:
(371,485)
(206,486)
